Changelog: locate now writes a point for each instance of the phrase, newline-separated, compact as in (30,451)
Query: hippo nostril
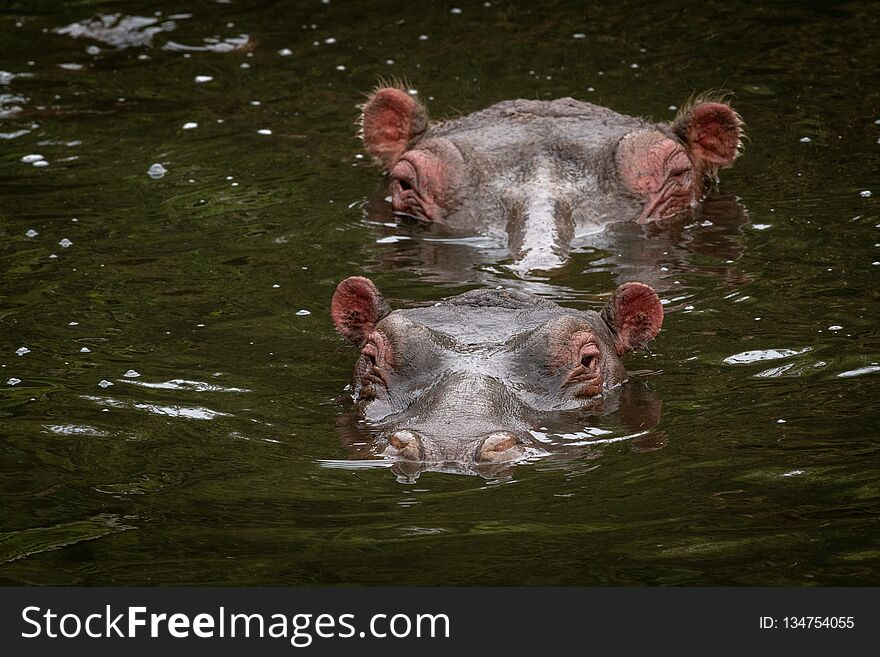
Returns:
(499,446)
(405,445)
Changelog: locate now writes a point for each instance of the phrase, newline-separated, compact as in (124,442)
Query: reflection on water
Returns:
(222,462)
(119,31)
(706,243)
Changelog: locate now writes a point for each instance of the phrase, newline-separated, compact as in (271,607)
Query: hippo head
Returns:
(464,380)
(537,174)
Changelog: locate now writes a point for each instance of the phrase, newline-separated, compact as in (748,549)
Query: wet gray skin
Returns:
(536,174)
(458,385)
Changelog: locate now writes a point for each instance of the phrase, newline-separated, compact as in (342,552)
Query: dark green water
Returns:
(226,460)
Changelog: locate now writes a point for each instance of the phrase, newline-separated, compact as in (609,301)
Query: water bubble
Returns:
(672,108)
(71,67)
(423,37)
(835,327)
(578,35)
(633,65)
(104,383)
(30,159)
(244,65)
(285,52)
(13,381)
(31,233)
(264,131)
(21,351)
(190,125)
(330,40)
(455,10)
(275,285)
(73,323)
(156,171)
(41,163)
(131,374)
(303,312)
(65,243)
(340,68)
(805,140)
(591,88)
(389,62)
(85,350)
(203,78)
(93,50)
(866,193)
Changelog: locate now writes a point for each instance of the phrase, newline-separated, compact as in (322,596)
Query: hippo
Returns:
(537,175)
(466,380)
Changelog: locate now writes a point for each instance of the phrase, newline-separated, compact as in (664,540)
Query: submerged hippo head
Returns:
(465,380)
(539,173)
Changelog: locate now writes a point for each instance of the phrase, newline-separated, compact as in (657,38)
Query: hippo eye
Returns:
(587,360)
(405,185)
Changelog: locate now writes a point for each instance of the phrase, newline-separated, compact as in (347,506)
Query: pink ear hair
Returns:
(356,308)
(390,120)
(635,315)
(713,133)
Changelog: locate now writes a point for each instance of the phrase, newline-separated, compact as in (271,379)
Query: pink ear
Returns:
(712,132)
(635,315)
(356,308)
(390,120)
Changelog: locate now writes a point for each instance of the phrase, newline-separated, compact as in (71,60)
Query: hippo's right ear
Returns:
(390,119)
(634,315)
(356,308)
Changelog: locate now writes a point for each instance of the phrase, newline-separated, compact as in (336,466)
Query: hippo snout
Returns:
(500,447)
(497,447)
(406,445)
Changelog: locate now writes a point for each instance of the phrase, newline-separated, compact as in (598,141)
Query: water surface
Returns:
(169,372)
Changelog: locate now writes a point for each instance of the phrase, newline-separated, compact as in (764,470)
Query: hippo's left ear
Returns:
(356,308)
(712,133)
(391,118)
(634,316)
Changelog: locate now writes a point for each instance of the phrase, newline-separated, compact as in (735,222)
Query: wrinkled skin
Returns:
(466,379)
(539,174)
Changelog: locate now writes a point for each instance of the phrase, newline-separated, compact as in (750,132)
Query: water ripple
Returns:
(117,30)
(756,355)
(190,412)
(183,384)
